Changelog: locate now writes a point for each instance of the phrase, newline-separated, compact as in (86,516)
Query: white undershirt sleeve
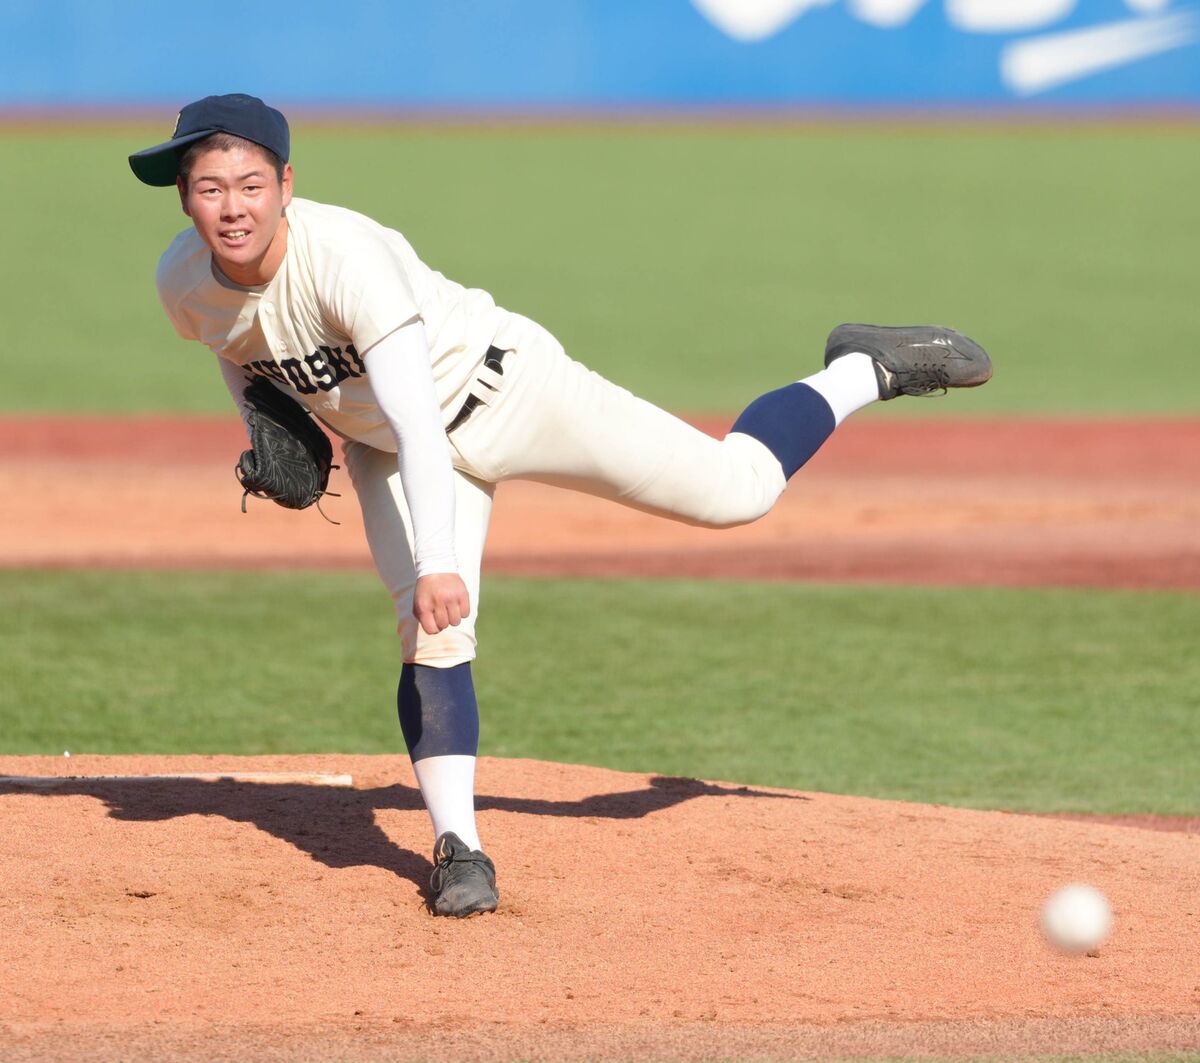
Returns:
(236,382)
(399,372)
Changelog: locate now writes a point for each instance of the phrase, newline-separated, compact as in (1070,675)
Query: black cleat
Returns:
(914,359)
(463,880)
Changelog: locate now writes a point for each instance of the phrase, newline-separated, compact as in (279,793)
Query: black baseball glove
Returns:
(290,457)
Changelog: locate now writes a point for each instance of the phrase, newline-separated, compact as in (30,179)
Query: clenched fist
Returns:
(440,601)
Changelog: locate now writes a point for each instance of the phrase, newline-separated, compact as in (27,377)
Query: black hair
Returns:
(224,142)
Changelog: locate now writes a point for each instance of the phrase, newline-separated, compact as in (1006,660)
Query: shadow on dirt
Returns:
(336,825)
(664,791)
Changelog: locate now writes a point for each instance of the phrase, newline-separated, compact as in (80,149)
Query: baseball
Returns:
(1076,918)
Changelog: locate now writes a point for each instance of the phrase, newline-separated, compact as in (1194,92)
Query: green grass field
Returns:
(697,265)
(1032,699)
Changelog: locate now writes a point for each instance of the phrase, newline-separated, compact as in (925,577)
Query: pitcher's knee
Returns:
(736,513)
(744,484)
(454,645)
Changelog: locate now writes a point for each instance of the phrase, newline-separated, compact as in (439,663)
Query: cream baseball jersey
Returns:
(345,283)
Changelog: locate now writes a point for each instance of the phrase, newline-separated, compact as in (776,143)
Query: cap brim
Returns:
(159,165)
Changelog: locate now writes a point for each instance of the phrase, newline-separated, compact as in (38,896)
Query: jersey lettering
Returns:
(297,377)
(345,365)
(323,370)
(322,374)
(268,369)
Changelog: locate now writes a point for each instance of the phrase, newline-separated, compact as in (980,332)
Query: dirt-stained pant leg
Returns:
(376,481)
(546,417)
(555,421)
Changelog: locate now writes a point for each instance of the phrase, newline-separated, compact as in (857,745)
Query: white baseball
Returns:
(1076,918)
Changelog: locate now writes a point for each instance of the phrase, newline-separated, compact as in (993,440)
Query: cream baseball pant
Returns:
(552,420)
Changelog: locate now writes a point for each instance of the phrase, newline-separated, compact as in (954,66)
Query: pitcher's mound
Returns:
(640,917)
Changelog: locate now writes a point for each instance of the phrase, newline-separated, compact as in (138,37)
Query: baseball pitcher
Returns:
(437,395)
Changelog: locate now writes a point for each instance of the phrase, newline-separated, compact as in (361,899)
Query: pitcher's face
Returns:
(236,203)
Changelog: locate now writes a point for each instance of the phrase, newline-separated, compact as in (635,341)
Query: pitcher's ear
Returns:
(286,183)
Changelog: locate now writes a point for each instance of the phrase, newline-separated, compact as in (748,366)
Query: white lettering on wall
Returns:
(885,13)
(1006,16)
(1046,62)
(755,20)
(1027,66)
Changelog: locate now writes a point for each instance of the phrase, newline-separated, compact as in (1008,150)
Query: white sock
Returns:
(448,786)
(848,384)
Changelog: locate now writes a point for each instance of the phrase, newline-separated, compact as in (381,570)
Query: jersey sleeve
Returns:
(171,293)
(368,294)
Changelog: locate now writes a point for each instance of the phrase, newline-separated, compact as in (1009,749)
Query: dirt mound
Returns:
(1067,503)
(640,916)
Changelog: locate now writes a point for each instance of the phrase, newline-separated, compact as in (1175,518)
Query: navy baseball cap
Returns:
(241,115)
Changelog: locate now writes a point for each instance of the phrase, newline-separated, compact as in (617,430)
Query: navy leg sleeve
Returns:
(438,712)
(791,422)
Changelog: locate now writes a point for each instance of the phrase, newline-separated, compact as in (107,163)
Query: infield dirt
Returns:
(1067,503)
(640,917)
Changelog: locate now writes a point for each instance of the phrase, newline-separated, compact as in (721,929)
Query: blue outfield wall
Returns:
(608,54)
